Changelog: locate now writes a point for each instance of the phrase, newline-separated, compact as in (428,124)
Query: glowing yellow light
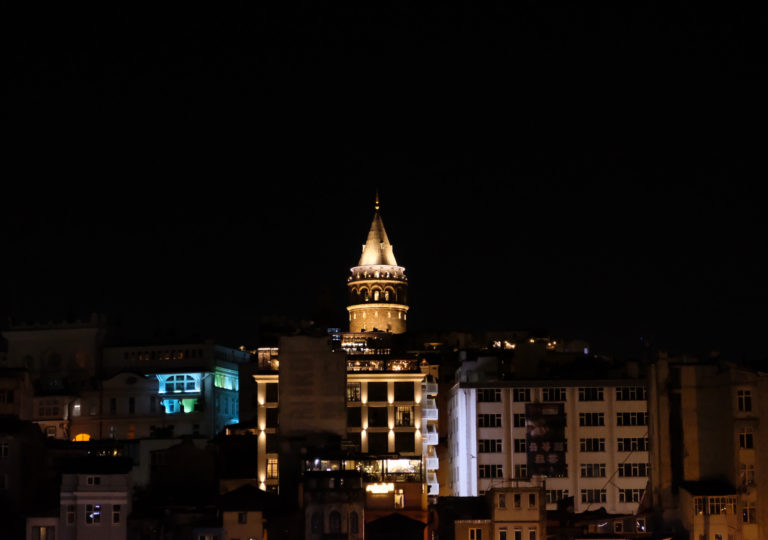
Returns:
(531,340)
(82,437)
(380,488)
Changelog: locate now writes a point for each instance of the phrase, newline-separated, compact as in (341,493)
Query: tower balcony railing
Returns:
(433,463)
(429,409)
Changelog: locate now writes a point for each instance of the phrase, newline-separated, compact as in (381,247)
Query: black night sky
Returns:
(591,171)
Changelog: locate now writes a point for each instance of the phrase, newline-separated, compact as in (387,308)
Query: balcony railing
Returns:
(430,435)
(429,410)
(430,388)
(433,463)
(433,485)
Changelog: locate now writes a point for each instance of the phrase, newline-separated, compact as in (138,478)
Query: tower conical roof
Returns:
(377,249)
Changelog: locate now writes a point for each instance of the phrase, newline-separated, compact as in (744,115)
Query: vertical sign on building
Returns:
(545,438)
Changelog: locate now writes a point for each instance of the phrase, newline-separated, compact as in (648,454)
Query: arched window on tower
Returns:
(386,295)
(376,296)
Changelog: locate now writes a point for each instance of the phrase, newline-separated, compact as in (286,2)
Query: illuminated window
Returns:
(399,499)
(273,471)
(180,383)
(404,416)
(353,392)
(82,437)
(92,513)
(699,505)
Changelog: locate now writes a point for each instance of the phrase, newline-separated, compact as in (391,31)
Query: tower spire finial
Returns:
(377,200)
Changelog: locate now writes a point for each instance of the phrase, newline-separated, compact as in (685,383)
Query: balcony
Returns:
(433,486)
(429,409)
(433,463)
(430,435)
(430,388)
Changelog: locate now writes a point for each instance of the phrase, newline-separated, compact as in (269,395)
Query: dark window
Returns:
(404,442)
(354,523)
(403,391)
(131,405)
(488,395)
(377,391)
(113,405)
(518,420)
(377,443)
(152,404)
(521,394)
(353,417)
(334,522)
(272,444)
(272,392)
(378,417)
(272,417)
(317,522)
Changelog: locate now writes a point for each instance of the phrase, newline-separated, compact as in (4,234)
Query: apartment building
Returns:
(598,451)
(708,449)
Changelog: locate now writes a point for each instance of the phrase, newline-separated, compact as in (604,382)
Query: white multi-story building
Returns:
(605,441)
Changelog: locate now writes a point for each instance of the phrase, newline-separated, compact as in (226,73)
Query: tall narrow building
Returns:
(378,288)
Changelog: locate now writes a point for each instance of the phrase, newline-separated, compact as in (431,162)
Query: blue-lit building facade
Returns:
(166,391)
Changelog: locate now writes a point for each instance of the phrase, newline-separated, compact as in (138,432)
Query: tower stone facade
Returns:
(378,287)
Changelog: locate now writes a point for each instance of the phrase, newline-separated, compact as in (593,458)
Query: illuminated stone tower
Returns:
(378,288)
